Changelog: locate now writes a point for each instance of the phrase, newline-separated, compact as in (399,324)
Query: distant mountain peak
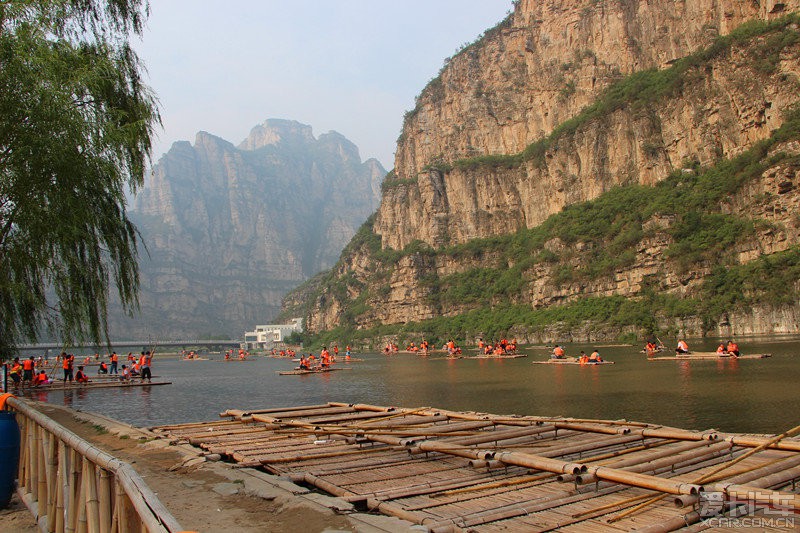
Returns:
(276,131)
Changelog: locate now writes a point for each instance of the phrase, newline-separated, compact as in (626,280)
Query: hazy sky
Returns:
(353,66)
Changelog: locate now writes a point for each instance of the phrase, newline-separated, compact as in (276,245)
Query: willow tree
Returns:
(76,123)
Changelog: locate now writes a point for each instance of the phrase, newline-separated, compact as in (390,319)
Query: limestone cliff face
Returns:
(524,80)
(539,68)
(229,229)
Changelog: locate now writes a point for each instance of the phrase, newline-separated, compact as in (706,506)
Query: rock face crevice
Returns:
(229,230)
(529,76)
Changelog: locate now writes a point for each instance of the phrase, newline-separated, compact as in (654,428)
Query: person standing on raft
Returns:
(67,362)
(144,365)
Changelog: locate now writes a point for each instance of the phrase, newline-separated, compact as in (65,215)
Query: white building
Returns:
(265,336)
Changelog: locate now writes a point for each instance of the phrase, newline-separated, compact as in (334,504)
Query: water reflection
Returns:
(731,395)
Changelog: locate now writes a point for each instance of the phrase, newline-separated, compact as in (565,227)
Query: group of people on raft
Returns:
(32,373)
(326,359)
(729,348)
(229,354)
(501,347)
(582,358)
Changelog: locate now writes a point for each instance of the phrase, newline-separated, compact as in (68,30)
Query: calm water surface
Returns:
(759,396)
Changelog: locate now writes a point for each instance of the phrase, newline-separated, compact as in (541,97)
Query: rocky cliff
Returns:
(572,104)
(229,230)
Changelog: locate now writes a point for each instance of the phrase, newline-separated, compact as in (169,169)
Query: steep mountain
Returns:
(229,230)
(590,169)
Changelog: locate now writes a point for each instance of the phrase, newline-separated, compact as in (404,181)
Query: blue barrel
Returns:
(9,451)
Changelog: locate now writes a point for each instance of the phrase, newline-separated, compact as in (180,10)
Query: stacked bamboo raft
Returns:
(455,471)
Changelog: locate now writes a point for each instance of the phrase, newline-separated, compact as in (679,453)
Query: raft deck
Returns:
(708,356)
(571,362)
(100,384)
(468,471)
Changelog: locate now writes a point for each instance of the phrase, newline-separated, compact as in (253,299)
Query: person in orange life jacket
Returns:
(114,361)
(721,350)
(682,347)
(733,348)
(67,362)
(126,373)
(41,379)
(595,357)
(16,372)
(103,368)
(145,363)
(27,369)
(80,376)
(558,352)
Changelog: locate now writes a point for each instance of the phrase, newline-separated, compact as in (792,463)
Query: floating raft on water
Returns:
(465,471)
(708,356)
(101,384)
(570,362)
(507,356)
(299,372)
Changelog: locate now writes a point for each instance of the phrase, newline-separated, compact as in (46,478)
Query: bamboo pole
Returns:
(92,501)
(240,413)
(323,455)
(62,484)
(22,471)
(646,481)
(104,499)
(53,486)
(537,462)
(121,507)
(499,435)
(611,458)
(72,500)
(750,442)
(598,444)
(41,472)
(33,465)
(82,524)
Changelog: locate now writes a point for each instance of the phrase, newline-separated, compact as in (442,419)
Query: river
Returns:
(758,396)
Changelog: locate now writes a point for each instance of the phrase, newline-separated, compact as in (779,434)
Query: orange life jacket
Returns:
(27,364)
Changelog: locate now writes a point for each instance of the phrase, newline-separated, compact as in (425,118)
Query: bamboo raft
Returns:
(102,384)
(301,372)
(464,471)
(508,356)
(570,362)
(708,356)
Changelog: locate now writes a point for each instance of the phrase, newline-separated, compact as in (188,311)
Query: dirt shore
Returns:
(208,496)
